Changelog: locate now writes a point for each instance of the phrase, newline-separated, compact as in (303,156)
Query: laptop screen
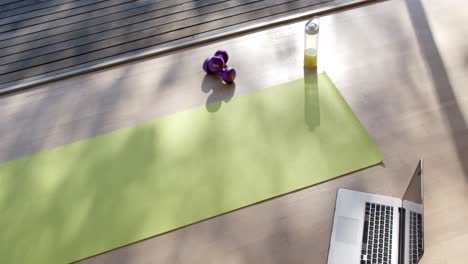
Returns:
(413,203)
(414,192)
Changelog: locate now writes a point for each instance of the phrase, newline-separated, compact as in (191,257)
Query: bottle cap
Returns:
(312,26)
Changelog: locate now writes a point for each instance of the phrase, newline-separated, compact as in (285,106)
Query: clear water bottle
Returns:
(311,32)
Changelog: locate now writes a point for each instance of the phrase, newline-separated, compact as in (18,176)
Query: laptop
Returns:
(370,228)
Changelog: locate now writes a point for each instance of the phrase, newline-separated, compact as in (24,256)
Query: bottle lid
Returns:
(312,26)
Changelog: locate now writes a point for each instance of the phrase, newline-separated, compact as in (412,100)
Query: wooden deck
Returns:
(42,38)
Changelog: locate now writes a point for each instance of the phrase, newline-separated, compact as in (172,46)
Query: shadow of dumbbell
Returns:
(219,92)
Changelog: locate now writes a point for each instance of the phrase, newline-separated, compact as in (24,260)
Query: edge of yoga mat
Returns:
(87,201)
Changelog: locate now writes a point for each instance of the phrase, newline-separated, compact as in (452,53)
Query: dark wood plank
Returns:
(181,29)
(83,22)
(139,31)
(34,7)
(54,13)
(7,5)
(92,63)
(118,28)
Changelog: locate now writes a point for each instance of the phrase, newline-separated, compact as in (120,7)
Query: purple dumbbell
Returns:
(223,54)
(214,64)
(228,75)
(217,65)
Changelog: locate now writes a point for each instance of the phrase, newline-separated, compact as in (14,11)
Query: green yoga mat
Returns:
(88,197)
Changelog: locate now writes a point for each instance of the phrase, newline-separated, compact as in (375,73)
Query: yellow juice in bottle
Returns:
(310,58)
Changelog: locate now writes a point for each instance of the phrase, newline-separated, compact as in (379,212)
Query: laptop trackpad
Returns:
(347,230)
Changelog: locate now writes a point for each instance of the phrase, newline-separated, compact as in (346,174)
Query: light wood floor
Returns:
(401,65)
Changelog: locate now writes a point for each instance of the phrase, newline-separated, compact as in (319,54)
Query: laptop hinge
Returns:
(401,236)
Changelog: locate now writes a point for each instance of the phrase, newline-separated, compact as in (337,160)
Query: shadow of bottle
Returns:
(311,99)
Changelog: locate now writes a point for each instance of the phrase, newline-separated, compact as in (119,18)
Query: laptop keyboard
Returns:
(415,237)
(377,236)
